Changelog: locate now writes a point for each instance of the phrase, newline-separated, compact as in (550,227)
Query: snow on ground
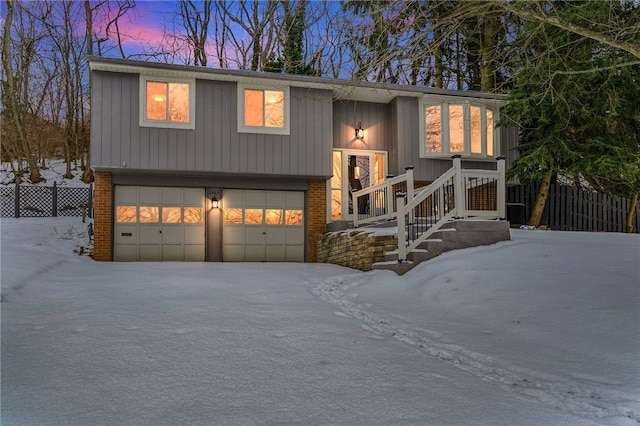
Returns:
(540,330)
(54,172)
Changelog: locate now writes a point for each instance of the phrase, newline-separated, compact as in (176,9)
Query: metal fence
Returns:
(572,209)
(45,201)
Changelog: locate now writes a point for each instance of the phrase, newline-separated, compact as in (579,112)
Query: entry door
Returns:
(263,226)
(153,223)
(353,171)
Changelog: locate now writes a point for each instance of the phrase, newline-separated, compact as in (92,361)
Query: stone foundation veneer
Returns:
(356,249)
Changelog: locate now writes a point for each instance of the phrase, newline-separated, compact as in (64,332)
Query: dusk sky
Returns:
(143,28)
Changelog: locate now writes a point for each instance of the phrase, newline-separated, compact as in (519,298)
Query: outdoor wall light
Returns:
(214,202)
(359,131)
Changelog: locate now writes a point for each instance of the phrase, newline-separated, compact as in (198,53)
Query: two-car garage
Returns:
(172,224)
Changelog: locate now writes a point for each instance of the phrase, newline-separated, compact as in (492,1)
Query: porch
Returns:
(396,229)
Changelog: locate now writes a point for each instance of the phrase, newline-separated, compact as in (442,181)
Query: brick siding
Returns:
(316,216)
(102,221)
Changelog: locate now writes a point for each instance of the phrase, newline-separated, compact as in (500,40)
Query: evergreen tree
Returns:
(576,102)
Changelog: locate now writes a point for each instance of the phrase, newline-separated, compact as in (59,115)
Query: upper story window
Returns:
(457,128)
(263,110)
(167,102)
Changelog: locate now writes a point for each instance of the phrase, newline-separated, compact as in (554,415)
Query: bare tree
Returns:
(256,19)
(196,24)
(105,33)
(15,109)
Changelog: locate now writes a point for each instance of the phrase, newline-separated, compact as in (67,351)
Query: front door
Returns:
(352,171)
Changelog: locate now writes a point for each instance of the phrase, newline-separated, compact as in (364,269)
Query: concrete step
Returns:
(452,236)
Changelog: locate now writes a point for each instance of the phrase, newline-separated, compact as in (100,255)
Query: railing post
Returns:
(402,241)
(389,197)
(458,186)
(354,207)
(410,189)
(502,187)
(16,207)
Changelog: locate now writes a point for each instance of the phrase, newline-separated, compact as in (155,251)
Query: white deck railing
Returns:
(379,199)
(459,193)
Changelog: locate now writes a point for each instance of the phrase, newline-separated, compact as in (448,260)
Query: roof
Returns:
(341,89)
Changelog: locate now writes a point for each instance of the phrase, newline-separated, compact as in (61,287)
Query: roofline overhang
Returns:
(353,90)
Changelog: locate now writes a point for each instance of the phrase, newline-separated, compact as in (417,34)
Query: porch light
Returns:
(214,202)
(359,131)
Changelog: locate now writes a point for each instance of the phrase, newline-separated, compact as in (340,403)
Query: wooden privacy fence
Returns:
(45,201)
(571,209)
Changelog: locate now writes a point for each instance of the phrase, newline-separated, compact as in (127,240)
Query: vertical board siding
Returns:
(347,115)
(215,144)
(575,209)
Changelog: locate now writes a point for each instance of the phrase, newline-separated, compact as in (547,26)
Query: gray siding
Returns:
(214,146)
(405,112)
(347,114)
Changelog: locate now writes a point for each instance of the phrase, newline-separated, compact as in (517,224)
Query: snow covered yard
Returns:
(543,329)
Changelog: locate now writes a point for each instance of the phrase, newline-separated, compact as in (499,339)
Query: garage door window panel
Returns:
(193,215)
(171,215)
(253,216)
(273,217)
(149,214)
(126,214)
(233,216)
(294,217)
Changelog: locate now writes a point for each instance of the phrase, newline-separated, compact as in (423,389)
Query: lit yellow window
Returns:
(476,130)
(171,214)
(294,217)
(433,128)
(273,217)
(167,101)
(456,128)
(489,132)
(253,216)
(149,214)
(193,215)
(233,216)
(126,214)
(264,108)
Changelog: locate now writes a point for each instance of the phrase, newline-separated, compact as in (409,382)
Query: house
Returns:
(203,164)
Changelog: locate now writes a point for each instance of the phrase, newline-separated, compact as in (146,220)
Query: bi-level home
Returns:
(203,164)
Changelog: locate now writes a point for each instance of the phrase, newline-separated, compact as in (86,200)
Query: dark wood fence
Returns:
(45,201)
(572,209)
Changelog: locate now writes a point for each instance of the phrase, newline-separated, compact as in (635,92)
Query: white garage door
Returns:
(159,223)
(263,226)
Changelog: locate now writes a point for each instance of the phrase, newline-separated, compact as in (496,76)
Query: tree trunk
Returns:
(15,114)
(541,200)
(487,42)
(439,68)
(631,212)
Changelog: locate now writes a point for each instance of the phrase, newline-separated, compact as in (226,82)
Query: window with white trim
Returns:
(167,103)
(449,128)
(263,110)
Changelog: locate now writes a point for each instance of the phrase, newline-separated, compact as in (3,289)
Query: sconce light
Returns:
(214,194)
(359,131)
